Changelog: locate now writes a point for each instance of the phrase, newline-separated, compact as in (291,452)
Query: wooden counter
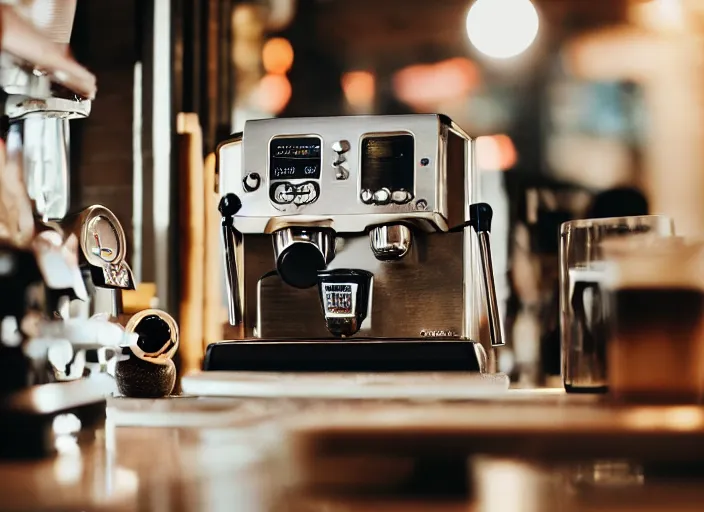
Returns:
(229,455)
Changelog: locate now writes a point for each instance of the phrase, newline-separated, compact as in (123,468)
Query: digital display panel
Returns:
(293,158)
(388,161)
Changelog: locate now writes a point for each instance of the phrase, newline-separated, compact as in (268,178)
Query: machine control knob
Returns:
(341,146)
(367,196)
(306,193)
(382,196)
(401,196)
(341,173)
(283,193)
(251,182)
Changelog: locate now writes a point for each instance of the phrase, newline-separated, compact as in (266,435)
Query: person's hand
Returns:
(22,40)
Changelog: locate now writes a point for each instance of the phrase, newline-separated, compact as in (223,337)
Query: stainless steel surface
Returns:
(102,255)
(102,236)
(234,309)
(103,248)
(425,277)
(20,106)
(117,276)
(33,56)
(390,242)
(116,305)
(492,305)
(339,204)
(419,296)
(46,158)
(16,80)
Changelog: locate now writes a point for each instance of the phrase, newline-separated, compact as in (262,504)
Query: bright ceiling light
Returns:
(502,28)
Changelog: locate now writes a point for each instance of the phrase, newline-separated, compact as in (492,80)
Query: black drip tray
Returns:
(389,355)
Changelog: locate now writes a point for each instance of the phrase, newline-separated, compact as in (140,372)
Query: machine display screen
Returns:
(293,158)
(388,161)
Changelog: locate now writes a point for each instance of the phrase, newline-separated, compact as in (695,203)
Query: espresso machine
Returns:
(39,107)
(42,100)
(43,88)
(348,246)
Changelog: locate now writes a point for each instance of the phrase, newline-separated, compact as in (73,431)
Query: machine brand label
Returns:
(431,333)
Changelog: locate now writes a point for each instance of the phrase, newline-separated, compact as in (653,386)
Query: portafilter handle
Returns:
(480,215)
(229,205)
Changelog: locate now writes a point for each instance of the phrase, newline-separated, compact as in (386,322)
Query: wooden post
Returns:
(191,240)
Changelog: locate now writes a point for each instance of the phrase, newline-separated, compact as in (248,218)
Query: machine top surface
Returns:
(346,173)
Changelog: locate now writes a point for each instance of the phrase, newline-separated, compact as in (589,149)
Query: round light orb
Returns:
(277,56)
(502,28)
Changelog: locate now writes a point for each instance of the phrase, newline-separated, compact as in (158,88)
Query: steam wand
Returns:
(480,216)
(229,205)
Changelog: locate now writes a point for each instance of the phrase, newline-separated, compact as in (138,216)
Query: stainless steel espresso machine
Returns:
(41,353)
(348,246)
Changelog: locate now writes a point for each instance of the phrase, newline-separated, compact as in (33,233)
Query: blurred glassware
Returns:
(583,322)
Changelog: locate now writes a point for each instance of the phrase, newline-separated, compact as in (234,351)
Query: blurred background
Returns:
(582,108)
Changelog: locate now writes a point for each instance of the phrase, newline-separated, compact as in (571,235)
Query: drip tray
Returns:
(364,369)
(347,386)
(360,355)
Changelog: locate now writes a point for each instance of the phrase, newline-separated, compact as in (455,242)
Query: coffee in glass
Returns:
(657,328)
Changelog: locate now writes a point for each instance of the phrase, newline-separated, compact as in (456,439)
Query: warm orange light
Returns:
(426,85)
(496,153)
(359,88)
(273,93)
(277,56)
(660,15)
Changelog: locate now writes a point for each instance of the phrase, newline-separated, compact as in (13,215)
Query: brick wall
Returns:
(106,40)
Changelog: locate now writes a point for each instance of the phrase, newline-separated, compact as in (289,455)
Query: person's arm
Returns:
(22,40)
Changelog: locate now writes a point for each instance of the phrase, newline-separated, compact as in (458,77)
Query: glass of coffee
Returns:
(656,342)
(584,308)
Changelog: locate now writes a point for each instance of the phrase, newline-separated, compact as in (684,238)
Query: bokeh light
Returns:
(277,56)
(502,28)
(359,88)
(427,85)
(273,93)
(496,153)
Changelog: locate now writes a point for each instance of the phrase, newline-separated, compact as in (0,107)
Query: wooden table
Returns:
(233,460)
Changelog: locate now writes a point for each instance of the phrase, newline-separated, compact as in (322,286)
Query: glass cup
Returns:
(584,325)
(656,296)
